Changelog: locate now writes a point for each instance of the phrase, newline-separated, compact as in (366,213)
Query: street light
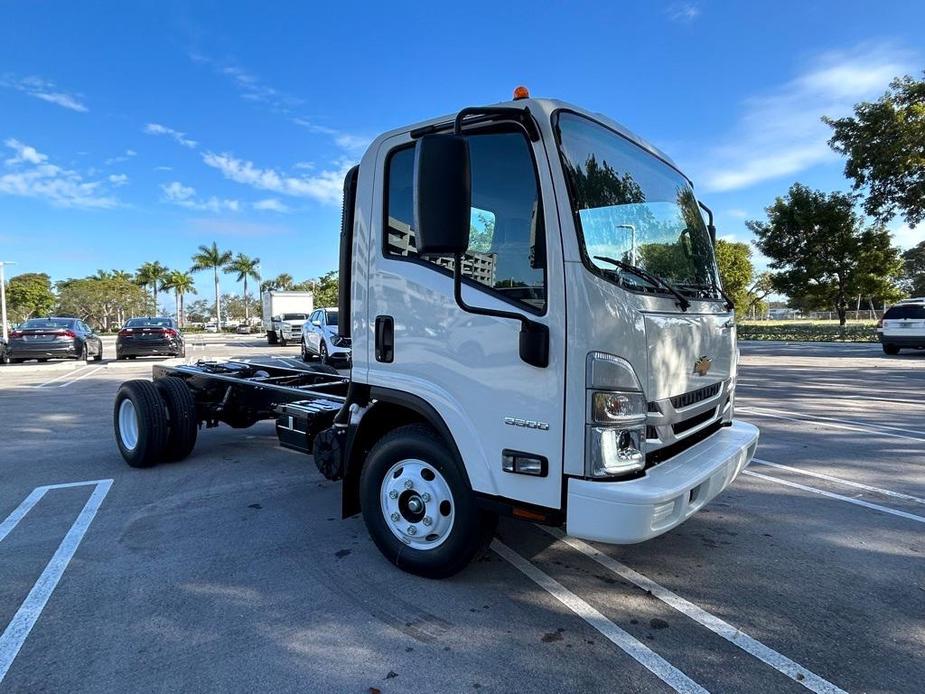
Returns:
(3,297)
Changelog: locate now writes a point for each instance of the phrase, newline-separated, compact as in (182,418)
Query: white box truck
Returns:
(538,330)
(284,313)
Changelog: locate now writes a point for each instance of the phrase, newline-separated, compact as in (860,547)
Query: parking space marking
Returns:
(838,497)
(830,422)
(831,394)
(648,658)
(767,655)
(18,629)
(839,480)
(58,378)
(83,375)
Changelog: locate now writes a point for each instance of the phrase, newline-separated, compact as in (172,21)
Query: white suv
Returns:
(320,338)
(903,325)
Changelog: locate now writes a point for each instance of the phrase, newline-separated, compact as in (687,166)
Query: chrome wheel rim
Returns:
(417,504)
(128,425)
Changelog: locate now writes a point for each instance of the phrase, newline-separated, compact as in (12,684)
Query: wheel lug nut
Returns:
(427,520)
(395,516)
(408,484)
(426,497)
(393,494)
(412,530)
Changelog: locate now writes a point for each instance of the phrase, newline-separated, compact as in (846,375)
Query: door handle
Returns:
(385,339)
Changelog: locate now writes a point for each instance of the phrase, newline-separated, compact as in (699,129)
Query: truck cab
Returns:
(573,351)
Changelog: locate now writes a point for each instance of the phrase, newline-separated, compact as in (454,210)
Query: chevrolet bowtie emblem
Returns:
(702,365)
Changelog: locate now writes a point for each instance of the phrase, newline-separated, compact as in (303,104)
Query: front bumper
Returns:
(668,494)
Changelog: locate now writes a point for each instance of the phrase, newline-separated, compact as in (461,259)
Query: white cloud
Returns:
(181,138)
(271,204)
(307,165)
(129,153)
(781,133)
(31,176)
(346,141)
(326,187)
(185,196)
(684,12)
(249,86)
(118,179)
(737,213)
(906,237)
(24,153)
(45,90)
(163,168)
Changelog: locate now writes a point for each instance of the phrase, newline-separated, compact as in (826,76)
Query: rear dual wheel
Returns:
(154,422)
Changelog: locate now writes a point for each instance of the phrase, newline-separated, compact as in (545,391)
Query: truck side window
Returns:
(507,239)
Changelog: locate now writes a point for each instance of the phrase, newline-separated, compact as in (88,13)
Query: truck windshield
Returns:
(631,206)
(295,316)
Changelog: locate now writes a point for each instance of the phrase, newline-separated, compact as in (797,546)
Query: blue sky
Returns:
(135,131)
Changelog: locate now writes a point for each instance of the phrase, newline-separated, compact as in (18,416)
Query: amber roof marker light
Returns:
(521,92)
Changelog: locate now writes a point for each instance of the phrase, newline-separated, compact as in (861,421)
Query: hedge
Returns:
(808,332)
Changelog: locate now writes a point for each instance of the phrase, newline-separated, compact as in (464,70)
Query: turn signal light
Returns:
(521,92)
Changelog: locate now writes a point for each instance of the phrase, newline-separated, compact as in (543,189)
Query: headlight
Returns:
(613,451)
(609,407)
(339,341)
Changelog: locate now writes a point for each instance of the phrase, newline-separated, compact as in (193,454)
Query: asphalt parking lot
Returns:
(232,571)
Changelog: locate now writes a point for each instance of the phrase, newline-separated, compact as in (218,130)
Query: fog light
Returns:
(524,463)
(613,451)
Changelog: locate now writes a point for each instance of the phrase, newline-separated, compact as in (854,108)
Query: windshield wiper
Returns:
(649,277)
(730,304)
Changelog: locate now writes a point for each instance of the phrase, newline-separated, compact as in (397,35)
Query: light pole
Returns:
(3,297)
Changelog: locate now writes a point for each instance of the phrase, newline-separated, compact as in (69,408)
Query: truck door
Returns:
(468,366)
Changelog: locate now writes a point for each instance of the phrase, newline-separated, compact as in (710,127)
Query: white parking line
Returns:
(64,375)
(653,662)
(833,394)
(839,480)
(83,375)
(779,662)
(838,497)
(829,422)
(15,634)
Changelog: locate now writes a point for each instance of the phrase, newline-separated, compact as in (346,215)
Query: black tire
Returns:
(42,361)
(99,355)
(323,352)
(271,337)
(132,356)
(182,353)
(151,419)
(84,354)
(282,340)
(892,350)
(472,527)
(182,421)
(304,352)
(119,356)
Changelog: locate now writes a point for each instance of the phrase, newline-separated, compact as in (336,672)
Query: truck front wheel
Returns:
(271,337)
(418,506)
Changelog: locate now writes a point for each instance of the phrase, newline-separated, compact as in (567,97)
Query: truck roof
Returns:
(547,107)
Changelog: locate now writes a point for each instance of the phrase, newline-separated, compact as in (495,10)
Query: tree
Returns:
(822,253)
(199,311)
(181,283)
(914,269)
(236,307)
(151,275)
(885,145)
(736,272)
(101,300)
(211,258)
(245,267)
(28,295)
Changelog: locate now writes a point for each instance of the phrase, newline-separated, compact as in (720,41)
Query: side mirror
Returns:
(316,323)
(442,195)
(711,228)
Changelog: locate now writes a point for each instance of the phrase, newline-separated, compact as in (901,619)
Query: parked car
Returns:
(903,326)
(4,354)
(54,338)
(150,336)
(320,338)
(243,329)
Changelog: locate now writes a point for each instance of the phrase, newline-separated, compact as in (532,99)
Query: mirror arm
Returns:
(534,336)
(710,226)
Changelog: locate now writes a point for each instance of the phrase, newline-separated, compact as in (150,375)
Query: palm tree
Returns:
(150,274)
(245,267)
(211,258)
(181,283)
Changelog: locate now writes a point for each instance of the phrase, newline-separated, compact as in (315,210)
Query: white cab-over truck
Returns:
(538,331)
(284,314)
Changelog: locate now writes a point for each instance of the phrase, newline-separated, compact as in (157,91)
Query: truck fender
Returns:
(389,410)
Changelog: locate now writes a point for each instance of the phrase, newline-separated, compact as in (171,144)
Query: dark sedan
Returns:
(54,338)
(142,337)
